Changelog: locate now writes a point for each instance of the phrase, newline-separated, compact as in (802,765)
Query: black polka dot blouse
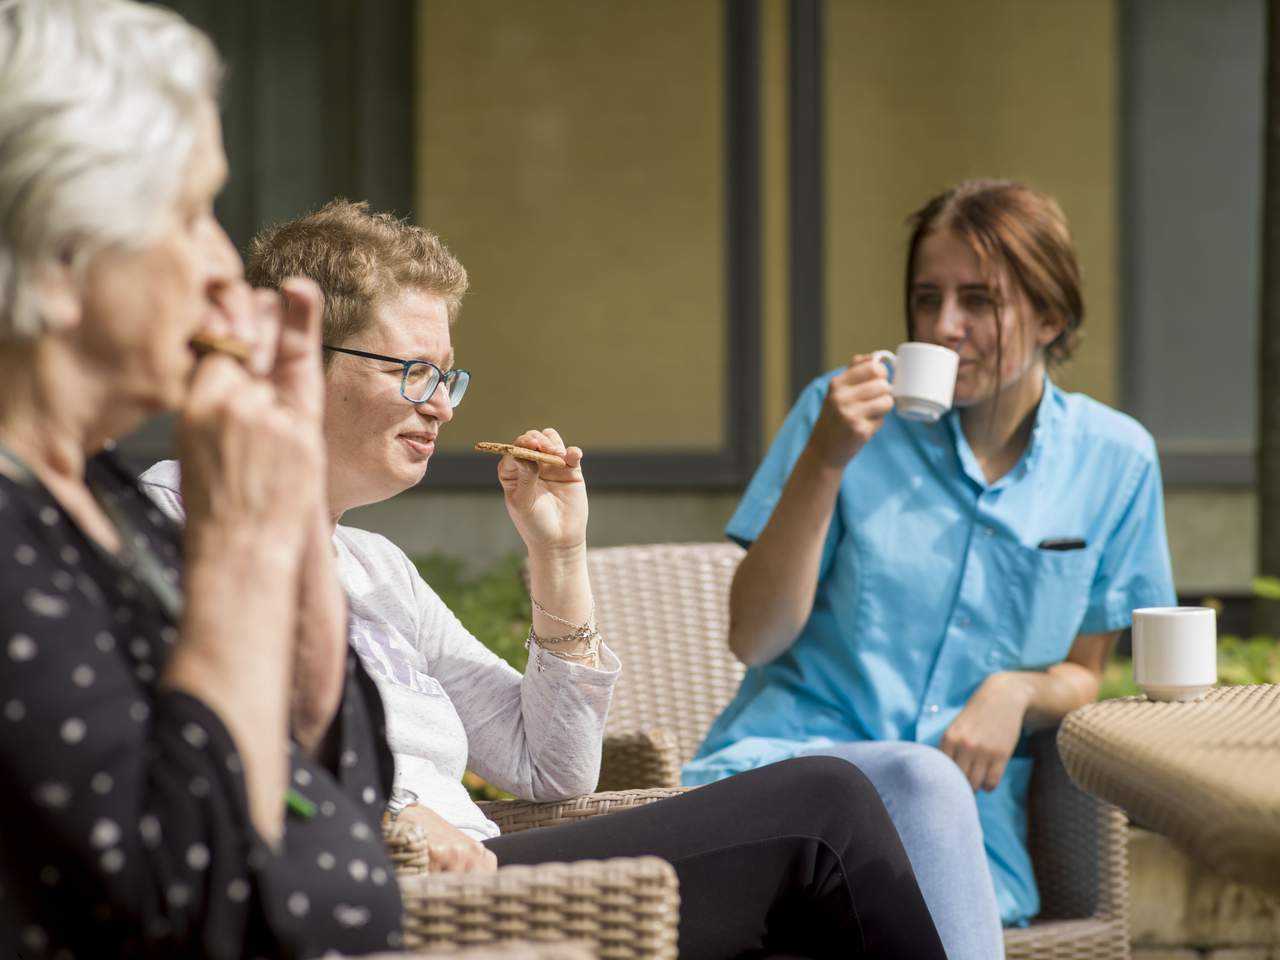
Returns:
(124,823)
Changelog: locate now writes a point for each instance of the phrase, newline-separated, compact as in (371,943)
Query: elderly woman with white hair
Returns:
(193,759)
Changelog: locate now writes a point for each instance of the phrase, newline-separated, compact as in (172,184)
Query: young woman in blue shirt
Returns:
(916,597)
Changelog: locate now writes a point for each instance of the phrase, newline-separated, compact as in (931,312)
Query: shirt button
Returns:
(932,708)
(962,621)
(988,532)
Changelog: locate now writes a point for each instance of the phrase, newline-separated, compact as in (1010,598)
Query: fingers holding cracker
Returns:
(520,452)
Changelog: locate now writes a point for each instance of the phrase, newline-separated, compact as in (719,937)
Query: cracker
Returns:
(205,343)
(520,453)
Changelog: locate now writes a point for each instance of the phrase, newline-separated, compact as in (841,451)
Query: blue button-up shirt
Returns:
(932,579)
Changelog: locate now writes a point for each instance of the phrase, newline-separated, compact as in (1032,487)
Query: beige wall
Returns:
(926,93)
(571,154)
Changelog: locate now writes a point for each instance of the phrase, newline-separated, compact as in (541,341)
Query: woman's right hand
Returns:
(858,399)
(449,849)
(251,446)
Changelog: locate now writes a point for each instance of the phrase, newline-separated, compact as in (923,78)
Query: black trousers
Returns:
(798,858)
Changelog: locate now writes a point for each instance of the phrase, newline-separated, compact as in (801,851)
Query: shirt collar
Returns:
(1049,412)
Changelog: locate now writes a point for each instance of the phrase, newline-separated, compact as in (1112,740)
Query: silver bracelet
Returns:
(399,799)
(587,633)
(591,617)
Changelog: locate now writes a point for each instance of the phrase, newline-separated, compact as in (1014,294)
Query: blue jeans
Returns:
(931,804)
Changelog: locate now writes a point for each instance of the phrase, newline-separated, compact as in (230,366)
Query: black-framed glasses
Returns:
(421,377)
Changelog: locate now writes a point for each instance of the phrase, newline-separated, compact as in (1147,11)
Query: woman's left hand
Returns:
(547,504)
(983,737)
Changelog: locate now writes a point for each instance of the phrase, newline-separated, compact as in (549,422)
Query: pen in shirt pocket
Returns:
(1062,544)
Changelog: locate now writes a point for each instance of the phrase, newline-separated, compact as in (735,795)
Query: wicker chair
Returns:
(619,909)
(511,950)
(664,610)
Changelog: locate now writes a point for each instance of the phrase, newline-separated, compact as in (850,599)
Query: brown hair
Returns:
(359,259)
(1009,224)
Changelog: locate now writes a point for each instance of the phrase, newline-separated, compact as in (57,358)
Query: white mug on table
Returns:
(1175,651)
(923,377)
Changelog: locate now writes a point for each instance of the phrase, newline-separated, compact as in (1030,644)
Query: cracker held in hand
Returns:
(204,343)
(520,453)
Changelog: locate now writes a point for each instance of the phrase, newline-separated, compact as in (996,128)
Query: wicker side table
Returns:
(1206,774)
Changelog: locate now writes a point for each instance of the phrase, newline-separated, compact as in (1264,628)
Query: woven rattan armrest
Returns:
(512,816)
(508,950)
(623,909)
(640,758)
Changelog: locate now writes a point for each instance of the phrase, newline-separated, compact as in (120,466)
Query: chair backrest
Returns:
(664,609)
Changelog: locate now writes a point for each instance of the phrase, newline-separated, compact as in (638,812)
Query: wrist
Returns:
(241,549)
(1013,686)
(558,563)
(822,466)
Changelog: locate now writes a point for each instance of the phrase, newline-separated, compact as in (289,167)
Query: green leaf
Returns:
(1267,587)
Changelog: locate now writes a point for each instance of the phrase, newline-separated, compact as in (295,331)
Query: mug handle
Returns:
(887,358)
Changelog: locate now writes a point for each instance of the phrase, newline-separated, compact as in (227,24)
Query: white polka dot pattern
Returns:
(21,648)
(106,833)
(197,856)
(143,785)
(34,938)
(149,830)
(52,795)
(45,604)
(349,916)
(72,731)
(298,904)
(195,735)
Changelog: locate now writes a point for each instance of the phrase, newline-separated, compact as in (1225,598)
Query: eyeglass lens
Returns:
(421,378)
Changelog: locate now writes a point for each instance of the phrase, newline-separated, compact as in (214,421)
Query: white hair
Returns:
(99,107)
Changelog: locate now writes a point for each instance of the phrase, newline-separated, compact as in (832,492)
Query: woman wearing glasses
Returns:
(763,869)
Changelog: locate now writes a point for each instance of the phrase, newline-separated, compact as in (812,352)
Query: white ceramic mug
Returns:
(1175,651)
(923,377)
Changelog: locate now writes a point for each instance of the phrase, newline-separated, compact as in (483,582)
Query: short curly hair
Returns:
(359,259)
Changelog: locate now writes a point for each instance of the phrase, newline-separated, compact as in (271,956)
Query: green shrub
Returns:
(495,608)
(492,604)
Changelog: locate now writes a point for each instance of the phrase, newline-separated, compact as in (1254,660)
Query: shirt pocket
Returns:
(1046,595)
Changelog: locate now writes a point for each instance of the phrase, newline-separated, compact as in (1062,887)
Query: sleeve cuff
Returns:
(555,669)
